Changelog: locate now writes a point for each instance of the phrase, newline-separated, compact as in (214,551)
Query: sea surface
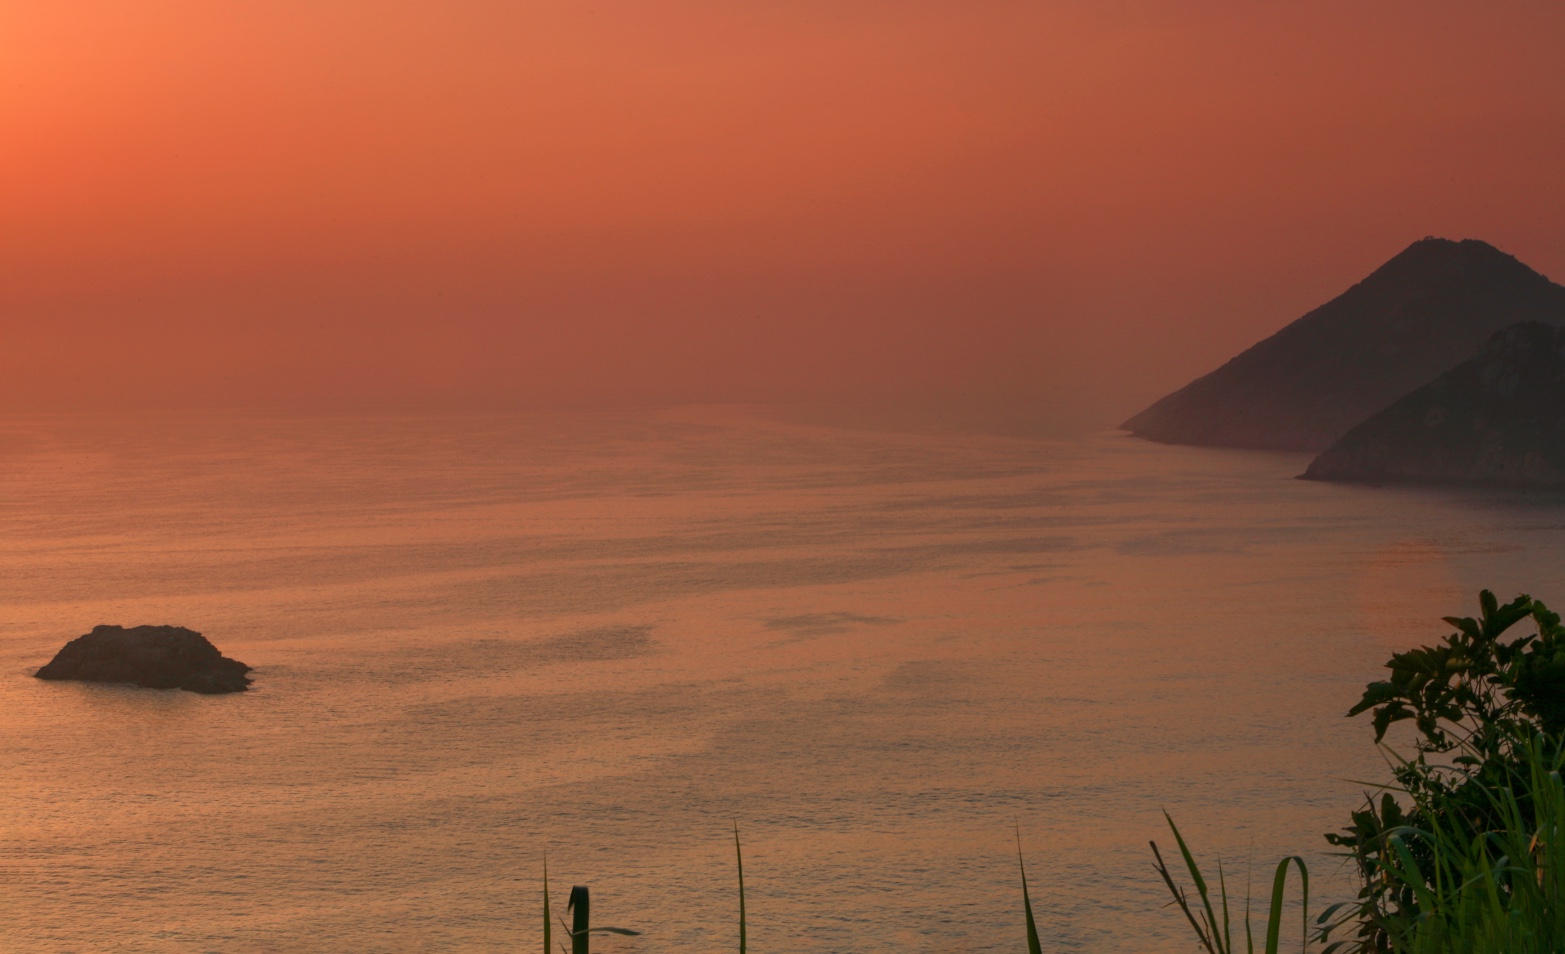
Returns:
(611,638)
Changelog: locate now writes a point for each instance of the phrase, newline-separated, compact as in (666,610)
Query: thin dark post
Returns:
(580,923)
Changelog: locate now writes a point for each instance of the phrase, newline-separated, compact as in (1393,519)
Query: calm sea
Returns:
(611,637)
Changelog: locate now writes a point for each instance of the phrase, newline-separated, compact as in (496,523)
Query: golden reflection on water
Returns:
(1400,582)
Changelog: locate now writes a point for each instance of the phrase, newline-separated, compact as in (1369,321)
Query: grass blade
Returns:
(1274,913)
(1249,937)
(1179,899)
(1222,890)
(739,860)
(1033,947)
(1217,936)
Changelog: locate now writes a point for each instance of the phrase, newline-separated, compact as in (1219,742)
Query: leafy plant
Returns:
(1499,891)
(1477,690)
(1482,704)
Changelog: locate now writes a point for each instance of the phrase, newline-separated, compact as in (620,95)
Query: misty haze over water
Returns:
(611,635)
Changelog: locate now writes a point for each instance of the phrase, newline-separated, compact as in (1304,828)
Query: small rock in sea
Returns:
(157,657)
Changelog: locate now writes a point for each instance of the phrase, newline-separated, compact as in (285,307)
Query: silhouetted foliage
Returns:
(1482,705)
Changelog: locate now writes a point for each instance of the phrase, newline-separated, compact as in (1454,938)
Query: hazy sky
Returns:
(481,202)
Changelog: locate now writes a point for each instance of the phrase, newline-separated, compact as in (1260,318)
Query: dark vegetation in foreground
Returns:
(1460,853)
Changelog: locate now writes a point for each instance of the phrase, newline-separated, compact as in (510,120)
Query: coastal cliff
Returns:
(1416,316)
(1497,419)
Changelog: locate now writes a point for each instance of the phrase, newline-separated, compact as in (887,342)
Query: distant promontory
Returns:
(1416,317)
(1497,419)
(157,657)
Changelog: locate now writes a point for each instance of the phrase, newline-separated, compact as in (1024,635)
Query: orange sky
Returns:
(475,202)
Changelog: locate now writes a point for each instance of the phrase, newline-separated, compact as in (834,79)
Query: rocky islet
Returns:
(156,657)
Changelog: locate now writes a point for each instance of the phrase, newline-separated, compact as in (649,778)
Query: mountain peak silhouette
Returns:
(1430,307)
